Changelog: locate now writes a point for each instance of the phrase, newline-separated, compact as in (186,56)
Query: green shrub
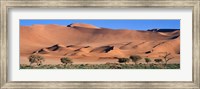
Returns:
(147,60)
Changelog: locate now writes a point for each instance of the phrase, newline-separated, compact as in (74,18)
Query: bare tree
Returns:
(167,57)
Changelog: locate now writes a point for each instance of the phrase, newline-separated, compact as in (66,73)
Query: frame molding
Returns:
(6,4)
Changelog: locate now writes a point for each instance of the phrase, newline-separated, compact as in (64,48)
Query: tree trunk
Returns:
(165,64)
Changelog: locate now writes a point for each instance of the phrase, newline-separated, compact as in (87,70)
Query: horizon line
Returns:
(112,24)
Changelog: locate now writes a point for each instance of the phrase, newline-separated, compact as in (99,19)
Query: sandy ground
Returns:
(87,44)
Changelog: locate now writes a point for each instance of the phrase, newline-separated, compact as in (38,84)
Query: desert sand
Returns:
(88,44)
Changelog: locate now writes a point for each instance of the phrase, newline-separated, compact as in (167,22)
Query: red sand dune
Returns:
(86,43)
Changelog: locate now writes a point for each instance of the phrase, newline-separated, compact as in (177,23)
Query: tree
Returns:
(158,60)
(36,59)
(167,57)
(135,58)
(147,60)
(66,60)
(123,60)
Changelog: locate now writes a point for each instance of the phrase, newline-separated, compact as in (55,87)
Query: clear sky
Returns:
(114,24)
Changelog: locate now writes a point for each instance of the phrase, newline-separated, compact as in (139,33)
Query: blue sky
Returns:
(114,24)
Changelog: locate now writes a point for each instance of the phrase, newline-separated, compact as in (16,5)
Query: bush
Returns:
(36,59)
(158,60)
(123,60)
(147,60)
(66,60)
(135,58)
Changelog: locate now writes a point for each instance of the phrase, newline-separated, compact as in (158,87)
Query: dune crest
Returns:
(81,25)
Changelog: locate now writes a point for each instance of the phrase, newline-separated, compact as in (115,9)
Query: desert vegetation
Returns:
(36,59)
(167,57)
(101,66)
(159,61)
(66,60)
(135,58)
(147,60)
(123,60)
(123,63)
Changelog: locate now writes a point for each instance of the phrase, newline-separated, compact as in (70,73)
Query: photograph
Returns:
(99,44)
